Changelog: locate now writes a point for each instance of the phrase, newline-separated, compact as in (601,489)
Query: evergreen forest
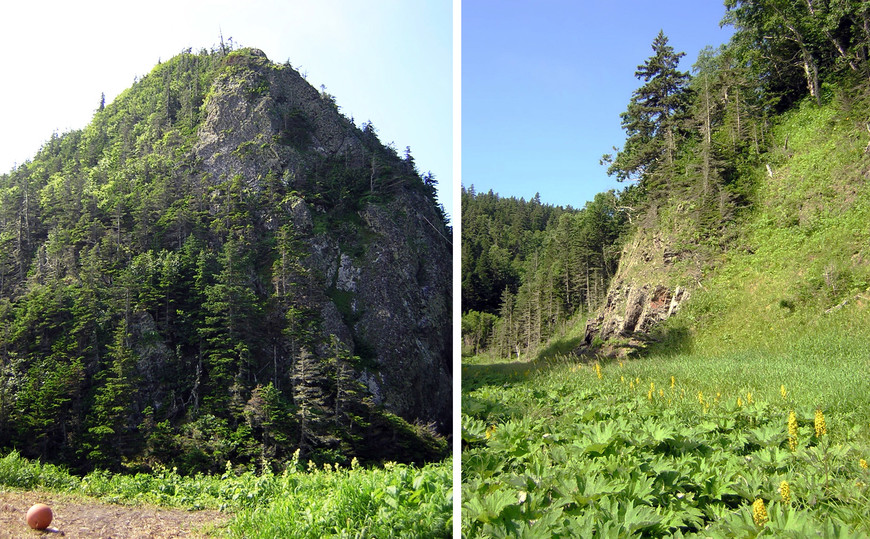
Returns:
(159,307)
(527,267)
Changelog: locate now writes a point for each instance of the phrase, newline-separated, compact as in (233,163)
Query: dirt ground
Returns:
(80,517)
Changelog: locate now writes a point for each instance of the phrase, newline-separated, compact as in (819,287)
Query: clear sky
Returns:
(543,84)
(387,61)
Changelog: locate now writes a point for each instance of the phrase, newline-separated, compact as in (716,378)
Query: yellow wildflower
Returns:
(631,385)
(621,363)
(819,423)
(622,379)
(598,370)
(748,398)
(701,397)
(490,431)
(652,386)
(661,392)
(792,431)
(739,402)
(863,463)
(649,394)
(785,492)
(759,512)
(783,392)
(673,382)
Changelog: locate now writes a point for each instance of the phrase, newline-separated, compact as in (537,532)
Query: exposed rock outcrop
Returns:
(383,283)
(630,312)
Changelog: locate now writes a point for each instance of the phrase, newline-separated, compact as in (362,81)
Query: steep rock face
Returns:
(260,118)
(403,309)
(381,276)
(639,297)
(391,302)
(631,311)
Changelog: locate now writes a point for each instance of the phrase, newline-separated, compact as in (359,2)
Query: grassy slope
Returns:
(790,306)
(758,323)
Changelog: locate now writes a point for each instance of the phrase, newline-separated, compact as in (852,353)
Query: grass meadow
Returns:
(700,437)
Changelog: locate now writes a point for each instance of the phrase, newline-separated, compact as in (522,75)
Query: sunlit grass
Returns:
(666,444)
(395,500)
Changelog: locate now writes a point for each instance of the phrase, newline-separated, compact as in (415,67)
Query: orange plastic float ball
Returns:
(39,516)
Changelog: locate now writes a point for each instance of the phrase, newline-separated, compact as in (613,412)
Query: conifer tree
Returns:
(107,422)
(312,406)
(653,119)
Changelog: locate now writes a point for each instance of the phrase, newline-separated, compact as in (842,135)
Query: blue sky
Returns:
(543,84)
(387,61)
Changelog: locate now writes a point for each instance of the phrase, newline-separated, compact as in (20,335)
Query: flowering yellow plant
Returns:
(759,512)
(819,423)
(792,431)
(785,492)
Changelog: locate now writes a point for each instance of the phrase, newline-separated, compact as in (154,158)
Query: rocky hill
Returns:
(222,266)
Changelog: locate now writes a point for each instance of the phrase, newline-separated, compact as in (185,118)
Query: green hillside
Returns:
(221,266)
(693,435)
(744,412)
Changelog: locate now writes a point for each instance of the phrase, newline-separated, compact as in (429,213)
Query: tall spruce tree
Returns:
(653,119)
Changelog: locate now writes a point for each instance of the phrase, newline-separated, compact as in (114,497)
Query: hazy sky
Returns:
(387,61)
(543,84)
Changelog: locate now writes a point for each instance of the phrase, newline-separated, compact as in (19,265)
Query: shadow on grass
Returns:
(498,372)
(559,349)
(478,375)
(668,341)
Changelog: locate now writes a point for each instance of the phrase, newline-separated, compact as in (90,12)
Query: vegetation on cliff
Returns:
(185,281)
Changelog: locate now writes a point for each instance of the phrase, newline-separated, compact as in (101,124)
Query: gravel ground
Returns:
(81,517)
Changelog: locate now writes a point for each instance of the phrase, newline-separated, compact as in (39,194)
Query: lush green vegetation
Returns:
(395,500)
(498,236)
(527,267)
(747,414)
(764,132)
(156,312)
(672,443)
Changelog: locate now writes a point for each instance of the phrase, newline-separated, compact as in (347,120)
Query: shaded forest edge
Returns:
(752,162)
(162,302)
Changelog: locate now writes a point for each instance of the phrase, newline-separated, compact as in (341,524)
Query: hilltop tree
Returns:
(653,119)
